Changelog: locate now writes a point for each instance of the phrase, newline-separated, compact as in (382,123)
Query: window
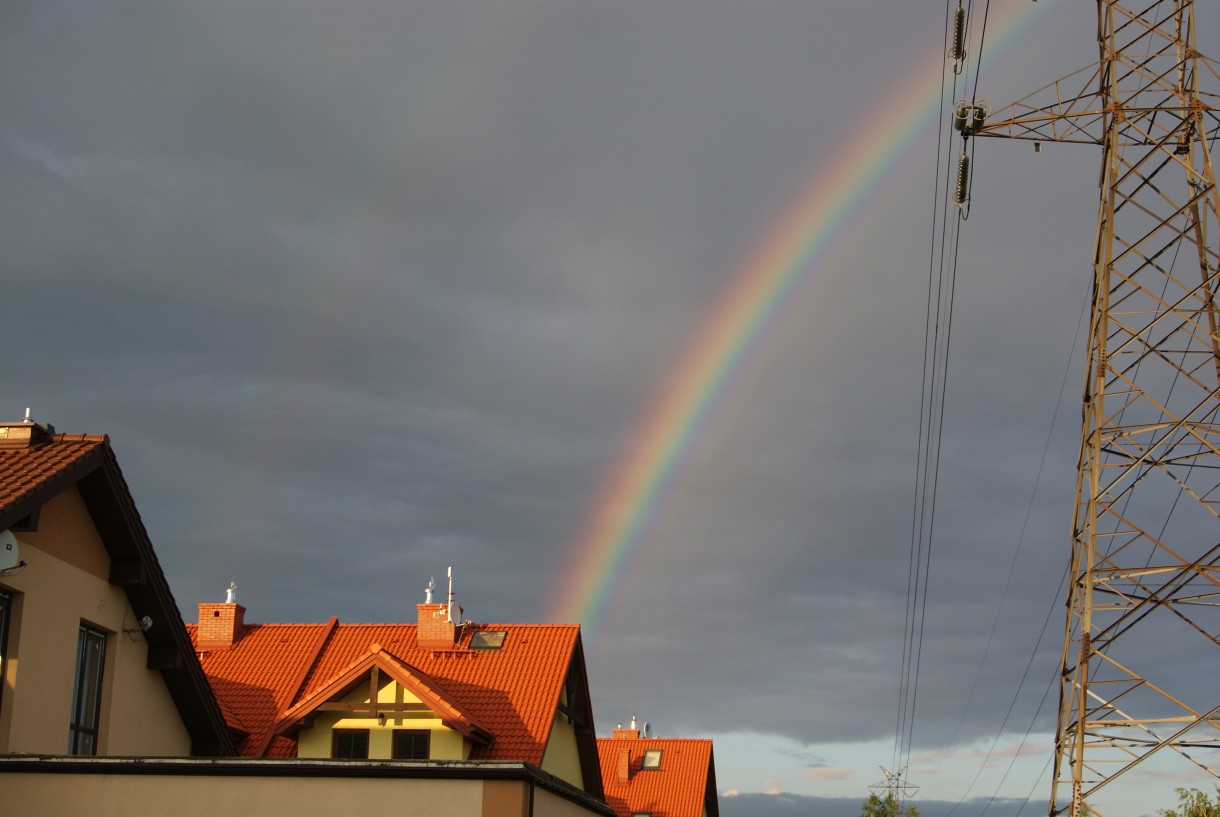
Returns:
(411,744)
(6,612)
(641,814)
(350,744)
(87,692)
(652,758)
(488,639)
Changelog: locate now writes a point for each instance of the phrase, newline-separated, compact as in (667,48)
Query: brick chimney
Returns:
(436,631)
(220,625)
(627,734)
(624,765)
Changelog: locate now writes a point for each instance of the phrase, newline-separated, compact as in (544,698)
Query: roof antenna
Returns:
(449,606)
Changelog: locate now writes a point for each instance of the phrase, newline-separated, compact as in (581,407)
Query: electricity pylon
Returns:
(894,790)
(1141,650)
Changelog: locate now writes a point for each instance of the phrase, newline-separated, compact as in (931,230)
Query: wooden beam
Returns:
(374,688)
(164,658)
(363,706)
(567,712)
(128,574)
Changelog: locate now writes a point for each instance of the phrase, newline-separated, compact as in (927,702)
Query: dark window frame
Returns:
(417,734)
(6,615)
(356,735)
(84,726)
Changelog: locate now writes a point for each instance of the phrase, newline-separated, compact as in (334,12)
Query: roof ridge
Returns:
(81,438)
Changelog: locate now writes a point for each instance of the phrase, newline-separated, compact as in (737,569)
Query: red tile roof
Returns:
(684,783)
(512,692)
(32,474)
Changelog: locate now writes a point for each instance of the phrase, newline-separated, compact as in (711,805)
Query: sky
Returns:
(617,309)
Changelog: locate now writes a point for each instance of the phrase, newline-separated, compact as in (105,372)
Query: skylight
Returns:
(652,758)
(488,639)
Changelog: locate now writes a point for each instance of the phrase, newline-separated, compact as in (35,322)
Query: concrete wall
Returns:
(114,795)
(301,795)
(65,584)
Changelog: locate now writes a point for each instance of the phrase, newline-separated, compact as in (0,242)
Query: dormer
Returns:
(382,708)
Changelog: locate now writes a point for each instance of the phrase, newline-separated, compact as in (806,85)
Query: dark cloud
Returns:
(363,290)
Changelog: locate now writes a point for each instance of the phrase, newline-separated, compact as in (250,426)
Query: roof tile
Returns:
(28,469)
(677,789)
(512,691)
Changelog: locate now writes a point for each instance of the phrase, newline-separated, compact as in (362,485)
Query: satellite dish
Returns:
(9,558)
(647,729)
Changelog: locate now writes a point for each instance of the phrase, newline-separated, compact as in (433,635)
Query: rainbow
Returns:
(823,219)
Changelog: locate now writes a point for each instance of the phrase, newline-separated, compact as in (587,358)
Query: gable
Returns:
(407,693)
(65,497)
(381,708)
(66,532)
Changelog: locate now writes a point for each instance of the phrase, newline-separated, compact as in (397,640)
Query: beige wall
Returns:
(562,758)
(446,744)
(157,795)
(549,804)
(64,584)
(110,795)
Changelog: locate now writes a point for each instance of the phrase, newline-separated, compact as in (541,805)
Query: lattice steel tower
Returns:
(1141,655)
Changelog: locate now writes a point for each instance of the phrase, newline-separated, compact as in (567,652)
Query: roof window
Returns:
(652,758)
(488,640)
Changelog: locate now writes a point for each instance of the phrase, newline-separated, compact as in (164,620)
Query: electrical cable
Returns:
(940,299)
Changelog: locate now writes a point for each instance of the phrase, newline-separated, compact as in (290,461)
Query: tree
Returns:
(1194,803)
(887,806)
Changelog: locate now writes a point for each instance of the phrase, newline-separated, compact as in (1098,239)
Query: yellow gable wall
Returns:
(64,584)
(446,744)
(562,758)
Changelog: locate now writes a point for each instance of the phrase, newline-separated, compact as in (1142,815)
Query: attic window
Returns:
(488,640)
(411,744)
(652,758)
(350,744)
(641,814)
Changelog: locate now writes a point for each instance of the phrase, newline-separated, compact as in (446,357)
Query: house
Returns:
(439,689)
(105,703)
(94,658)
(658,777)
(109,700)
